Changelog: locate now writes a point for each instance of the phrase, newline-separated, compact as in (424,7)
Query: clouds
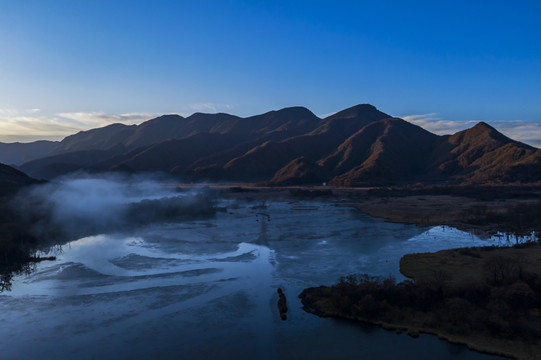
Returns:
(210,107)
(433,123)
(30,124)
(99,119)
(527,132)
(524,131)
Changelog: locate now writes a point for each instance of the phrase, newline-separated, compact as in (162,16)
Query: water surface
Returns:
(206,289)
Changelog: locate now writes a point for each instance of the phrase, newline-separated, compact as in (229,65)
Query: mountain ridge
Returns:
(358,146)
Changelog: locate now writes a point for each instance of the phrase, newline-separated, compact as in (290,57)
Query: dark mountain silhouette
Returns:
(105,138)
(263,161)
(387,151)
(12,180)
(168,155)
(57,165)
(480,154)
(290,121)
(134,148)
(19,153)
(396,152)
(358,146)
(347,121)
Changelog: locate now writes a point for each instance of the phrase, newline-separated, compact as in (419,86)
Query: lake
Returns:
(207,288)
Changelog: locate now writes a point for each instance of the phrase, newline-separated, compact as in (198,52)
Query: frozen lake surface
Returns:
(206,289)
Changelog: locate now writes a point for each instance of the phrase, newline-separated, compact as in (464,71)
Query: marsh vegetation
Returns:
(486,297)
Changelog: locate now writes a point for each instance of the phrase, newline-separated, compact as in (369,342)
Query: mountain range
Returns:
(359,146)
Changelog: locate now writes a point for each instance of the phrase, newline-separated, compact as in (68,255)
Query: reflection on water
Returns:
(207,289)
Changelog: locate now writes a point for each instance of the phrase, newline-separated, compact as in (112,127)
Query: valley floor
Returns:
(509,209)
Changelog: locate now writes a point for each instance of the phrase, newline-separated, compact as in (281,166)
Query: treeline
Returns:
(507,305)
(17,245)
(479,192)
(520,219)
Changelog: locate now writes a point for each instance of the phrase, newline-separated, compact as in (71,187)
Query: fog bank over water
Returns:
(84,205)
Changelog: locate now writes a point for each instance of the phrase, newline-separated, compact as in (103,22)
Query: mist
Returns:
(86,205)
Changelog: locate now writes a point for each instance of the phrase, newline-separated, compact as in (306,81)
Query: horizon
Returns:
(446,66)
(516,130)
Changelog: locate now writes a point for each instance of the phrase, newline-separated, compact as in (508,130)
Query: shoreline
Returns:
(418,209)
(492,212)
(414,332)
(466,271)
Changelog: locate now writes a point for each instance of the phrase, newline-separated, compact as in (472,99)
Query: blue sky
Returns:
(71,65)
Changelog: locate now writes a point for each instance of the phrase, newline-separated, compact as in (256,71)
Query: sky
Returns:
(73,65)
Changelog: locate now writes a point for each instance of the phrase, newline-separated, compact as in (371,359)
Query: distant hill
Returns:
(19,153)
(12,180)
(134,148)
(481,154)
(358,146)
(56,165)
(105,138)
(290,121)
